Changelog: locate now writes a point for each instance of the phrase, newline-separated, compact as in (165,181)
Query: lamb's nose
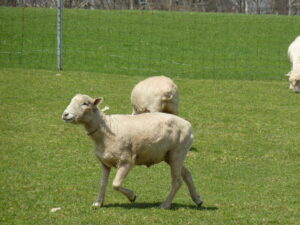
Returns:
(65,115)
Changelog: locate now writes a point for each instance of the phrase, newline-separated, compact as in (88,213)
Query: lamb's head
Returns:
(81,109)
(294,78)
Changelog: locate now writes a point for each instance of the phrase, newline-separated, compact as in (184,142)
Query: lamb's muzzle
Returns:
(67,117)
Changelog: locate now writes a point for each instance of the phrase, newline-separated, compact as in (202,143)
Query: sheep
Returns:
(122,141)
(155,94)
(294,74)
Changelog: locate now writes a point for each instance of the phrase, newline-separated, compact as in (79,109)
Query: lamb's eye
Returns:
(85,103)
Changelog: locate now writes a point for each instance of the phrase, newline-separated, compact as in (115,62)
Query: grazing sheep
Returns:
(294,74)
(155,94)
(123,141)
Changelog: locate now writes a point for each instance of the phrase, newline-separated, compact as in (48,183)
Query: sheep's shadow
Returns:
(193,149)
(143,205)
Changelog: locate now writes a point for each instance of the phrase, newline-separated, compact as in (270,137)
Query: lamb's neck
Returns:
(97,128)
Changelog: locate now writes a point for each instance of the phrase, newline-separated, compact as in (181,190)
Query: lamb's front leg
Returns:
(105,174)
(122,172)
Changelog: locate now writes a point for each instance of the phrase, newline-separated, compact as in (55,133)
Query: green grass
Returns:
(245,158)
(229,68)
(140,43)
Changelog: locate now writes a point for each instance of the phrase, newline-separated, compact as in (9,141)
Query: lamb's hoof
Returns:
(164,206)
(199,204)
(133,200)
(97,204)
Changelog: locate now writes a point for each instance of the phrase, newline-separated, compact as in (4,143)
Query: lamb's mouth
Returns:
(69,120)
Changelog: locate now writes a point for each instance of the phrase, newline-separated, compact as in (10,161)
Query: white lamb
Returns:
(294,74)
(123,141)
(155,94)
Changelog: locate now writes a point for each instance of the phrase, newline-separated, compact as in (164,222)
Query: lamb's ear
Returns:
(288,74)
(98,101)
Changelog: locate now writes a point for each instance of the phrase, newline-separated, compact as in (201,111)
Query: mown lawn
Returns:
(244,161)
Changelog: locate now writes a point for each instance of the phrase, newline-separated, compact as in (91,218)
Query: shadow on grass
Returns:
(193,149)
(174,206)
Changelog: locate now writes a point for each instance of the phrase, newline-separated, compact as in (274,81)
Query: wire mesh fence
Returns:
(146,42)
(242,6)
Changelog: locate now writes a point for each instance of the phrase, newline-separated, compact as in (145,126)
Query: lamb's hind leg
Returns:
(122,172)
(187,177)
(176,183)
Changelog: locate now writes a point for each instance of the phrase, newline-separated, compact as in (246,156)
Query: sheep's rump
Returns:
(155,94)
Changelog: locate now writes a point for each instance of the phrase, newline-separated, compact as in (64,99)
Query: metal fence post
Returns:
(59,34)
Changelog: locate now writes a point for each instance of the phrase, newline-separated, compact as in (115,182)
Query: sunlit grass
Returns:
(244,161)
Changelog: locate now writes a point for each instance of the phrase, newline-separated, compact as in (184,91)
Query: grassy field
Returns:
(195,45)
(245,158)
(229,69)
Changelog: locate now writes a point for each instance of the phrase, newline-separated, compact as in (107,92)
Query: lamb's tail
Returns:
(167,97)
(189,147)
(170,95)
(192,136)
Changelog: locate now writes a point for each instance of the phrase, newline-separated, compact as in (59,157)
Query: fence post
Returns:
(59,34)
